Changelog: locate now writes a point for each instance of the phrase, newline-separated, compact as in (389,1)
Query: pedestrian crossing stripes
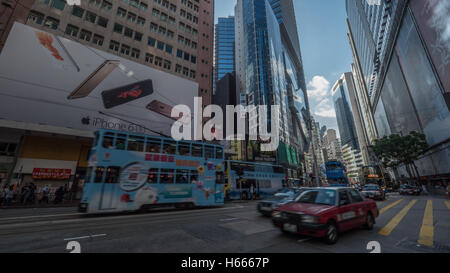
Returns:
(386,231)
(390,206)
(427,231)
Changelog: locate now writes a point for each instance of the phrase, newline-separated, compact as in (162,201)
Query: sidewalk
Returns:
(37,205)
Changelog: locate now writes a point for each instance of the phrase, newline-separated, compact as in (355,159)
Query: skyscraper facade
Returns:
(344,113)
(270,70)
(224,48)
(332,145)
(406,50)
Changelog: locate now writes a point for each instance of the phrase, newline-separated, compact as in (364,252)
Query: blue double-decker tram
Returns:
(128,172)
(336,173)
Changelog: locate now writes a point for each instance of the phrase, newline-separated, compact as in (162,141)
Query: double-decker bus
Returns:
(129,172)
(374,175)
(242,177)
(336,173)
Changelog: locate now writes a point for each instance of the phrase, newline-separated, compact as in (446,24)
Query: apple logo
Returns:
(85,120)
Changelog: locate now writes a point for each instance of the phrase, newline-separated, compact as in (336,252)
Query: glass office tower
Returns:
(224,47)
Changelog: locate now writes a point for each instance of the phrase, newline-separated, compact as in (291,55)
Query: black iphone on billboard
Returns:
(125,94)
(91,82)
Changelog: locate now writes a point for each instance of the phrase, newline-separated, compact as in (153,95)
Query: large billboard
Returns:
(50,80)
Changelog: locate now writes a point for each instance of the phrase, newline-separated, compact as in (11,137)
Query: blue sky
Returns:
(326,52)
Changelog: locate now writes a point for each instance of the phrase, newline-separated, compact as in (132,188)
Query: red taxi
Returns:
(324,212)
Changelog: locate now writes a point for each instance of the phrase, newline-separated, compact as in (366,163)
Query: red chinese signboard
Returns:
(53,174)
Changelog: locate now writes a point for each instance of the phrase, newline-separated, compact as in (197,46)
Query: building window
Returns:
(187,56)
(51,23)
(90,17)
(143,6)
(149,58)
(121,12)
(185,71)
(114,46)
(131,17)
(128,32)
(36,17)
(138,36)
(106,6)
(178,68)
(154,27)
(72,30)
(162,31)
(193,59)
(59,4)
(179,53)
(169,49)
(192,74)
(135,53)
(167,65)
(98,40)
(85,35)
(160,45)
(170,34)
(95,2)
(158,61)
(134,3)
(151,42)
(118,28)
(124,49)
(77,11)
(141,21)
(103,22)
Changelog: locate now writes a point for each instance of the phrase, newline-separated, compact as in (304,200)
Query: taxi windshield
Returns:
(320,197)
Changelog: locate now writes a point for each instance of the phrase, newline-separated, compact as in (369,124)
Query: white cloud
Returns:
(325,109)
(318,87)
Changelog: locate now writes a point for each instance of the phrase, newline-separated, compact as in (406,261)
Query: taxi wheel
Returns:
(332,235)
(369,221)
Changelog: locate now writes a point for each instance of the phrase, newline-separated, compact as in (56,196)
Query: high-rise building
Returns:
(399,50)
(175,36)
(270,71)
(323,130)
(331,144)
(353,162)
(224,48)
(344,113)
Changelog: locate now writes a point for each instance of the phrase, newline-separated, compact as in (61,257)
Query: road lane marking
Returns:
(386,231)
(229,219)
(447,203)
(390,206)
(427,231)
(304,240)
(85,237)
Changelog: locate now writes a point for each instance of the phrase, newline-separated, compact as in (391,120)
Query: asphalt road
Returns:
(406,225)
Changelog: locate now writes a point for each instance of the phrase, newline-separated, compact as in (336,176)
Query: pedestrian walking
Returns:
(45,192)
(59,194)
(9,196)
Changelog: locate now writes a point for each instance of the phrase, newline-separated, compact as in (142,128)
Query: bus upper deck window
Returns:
(153,176)
(184,149)
(197,150)
(153,147)
(209,152)
(135,143)
(112,175)
(99,174)
(219,153)
(169,147)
